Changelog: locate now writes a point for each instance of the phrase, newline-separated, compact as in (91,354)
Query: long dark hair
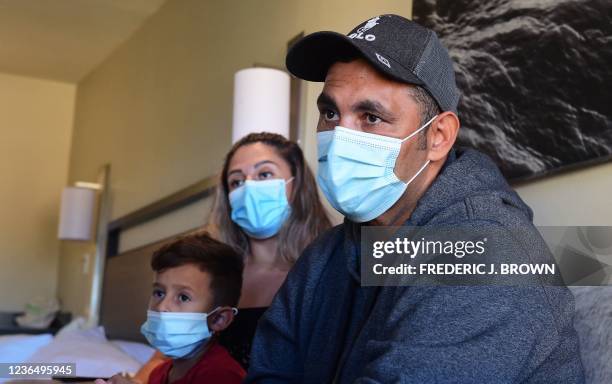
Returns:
(308,217)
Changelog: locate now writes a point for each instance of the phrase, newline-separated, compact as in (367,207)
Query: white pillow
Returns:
(93,355)
(19,348)
(79,326)
(96,334)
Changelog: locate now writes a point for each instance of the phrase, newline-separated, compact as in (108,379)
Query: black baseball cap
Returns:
(394,45)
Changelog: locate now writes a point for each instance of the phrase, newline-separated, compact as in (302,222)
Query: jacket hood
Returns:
(466,173)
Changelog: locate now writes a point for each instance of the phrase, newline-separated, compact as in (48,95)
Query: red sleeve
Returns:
(218,367)
(158,374)
(220,375)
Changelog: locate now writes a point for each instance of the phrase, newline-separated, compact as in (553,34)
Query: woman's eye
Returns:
(184,298)
(159,294)
(235,183)
(373,119)
(265,175)
(330,115)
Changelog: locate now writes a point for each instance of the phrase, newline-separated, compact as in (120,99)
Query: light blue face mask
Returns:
(260,207)
(356,171)
(177,335)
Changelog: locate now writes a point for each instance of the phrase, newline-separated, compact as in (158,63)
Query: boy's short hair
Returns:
(220,260)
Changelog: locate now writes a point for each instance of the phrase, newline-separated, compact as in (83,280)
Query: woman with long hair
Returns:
(268,227)
(267,207)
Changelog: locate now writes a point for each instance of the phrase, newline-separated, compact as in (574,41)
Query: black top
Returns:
(237,338)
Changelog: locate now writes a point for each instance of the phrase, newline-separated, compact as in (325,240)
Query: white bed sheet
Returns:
(93,354)
(19,348)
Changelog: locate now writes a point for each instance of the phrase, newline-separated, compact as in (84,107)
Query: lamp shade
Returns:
(77,213)
(261,102)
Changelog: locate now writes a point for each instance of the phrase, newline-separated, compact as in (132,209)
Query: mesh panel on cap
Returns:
(406,42)
(436,70)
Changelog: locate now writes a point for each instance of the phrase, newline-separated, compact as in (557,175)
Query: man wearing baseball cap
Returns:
(388,123)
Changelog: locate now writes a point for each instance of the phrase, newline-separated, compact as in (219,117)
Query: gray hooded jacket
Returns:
(324,327)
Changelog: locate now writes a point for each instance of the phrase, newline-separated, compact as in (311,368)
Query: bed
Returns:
(116,345)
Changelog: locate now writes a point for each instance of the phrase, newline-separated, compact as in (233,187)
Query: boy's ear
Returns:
(221,319)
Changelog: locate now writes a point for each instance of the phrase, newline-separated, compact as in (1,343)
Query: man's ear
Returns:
(221,319)
(442,135)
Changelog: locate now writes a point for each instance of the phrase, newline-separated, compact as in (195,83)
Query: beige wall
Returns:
(581,197)
(36,125)
(159,108)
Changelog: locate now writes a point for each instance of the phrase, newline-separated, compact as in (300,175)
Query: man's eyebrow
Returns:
(325,100)
(374,107)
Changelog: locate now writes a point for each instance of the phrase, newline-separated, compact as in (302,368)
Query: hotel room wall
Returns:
(580,197)
(36,124)
(159,108)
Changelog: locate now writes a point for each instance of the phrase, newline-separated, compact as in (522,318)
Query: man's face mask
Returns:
(177,335)
(356,171)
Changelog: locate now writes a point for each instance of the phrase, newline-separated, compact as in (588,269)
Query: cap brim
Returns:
(311,57)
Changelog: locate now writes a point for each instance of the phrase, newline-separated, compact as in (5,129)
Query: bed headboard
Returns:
(128,278)
(126,291)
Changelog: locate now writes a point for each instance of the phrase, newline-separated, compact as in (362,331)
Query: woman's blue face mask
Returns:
(260,207)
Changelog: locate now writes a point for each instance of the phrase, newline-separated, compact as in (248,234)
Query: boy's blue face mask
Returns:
(356,171)
(260,207)
(177,335)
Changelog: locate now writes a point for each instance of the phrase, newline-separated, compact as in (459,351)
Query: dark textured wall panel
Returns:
(535,77)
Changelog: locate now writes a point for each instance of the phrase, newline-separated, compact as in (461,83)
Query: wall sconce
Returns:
(77,211)
(261,102)
(83,204)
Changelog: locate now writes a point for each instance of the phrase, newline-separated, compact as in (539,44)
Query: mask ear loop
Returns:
(234,309)
(213,311)
(418,173)
(427,162)
(420,129)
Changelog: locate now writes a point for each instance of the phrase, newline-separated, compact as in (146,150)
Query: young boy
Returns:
(196,289)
